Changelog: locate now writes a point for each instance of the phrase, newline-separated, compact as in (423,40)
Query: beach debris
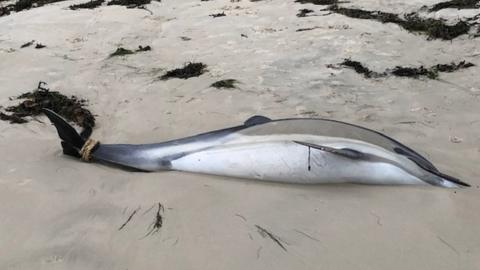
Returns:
(303,12)
(431,27)
(122,51)
(184,38)
(266,234)
(360,68)
(128,219)
(216,15)
(71,108)
(455,139)
(319,2)
(412,22)
(28,44)
(87,5)
(228,83)
(27,4)
(306,29)
(40,46)
(458,4)
(189,70)
(129,3)
(157,223)
(400,71)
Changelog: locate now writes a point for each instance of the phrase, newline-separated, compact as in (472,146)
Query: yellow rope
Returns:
(86,151)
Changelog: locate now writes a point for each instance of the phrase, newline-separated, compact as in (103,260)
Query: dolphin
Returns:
(295,150)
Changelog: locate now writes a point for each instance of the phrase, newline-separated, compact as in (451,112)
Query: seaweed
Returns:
(27,4)
(318,2)
(303,12)
(122,51)
(40,46)
(264,233)
(71,108)
(128,219)
(412,72)
(228,83)
(433,28)
(412,22)
(189,70)
(87,5)
(4,10)
(216,15)
(306,29)
(359,68)
(129,3)
(157,223)
(28,44)
(431,72)
(458,4)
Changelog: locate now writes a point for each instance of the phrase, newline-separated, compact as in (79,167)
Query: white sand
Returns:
(59,213)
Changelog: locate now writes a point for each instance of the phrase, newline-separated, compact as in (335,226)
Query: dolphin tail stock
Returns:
(72,141)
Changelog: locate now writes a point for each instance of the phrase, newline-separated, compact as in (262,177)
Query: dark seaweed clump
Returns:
(122,51)
(216,15)
(187,71)
(129,3)
(40,46)
(360,68)
(228,83)
(88,5)
(71,108)
(27,4)
(318,2)
(303,12)
(28,44)
(431,72)
(412,72)
(458,4)
(433,28)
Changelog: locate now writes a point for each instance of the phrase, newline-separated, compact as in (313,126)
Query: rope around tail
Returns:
(86,151)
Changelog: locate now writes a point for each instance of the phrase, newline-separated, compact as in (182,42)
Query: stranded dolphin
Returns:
(307,151)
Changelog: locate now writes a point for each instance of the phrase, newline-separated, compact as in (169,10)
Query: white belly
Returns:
(286,161)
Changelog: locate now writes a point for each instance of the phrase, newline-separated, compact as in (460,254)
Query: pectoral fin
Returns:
(344,152)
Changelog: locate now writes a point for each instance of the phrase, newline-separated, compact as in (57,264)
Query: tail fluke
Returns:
(72,142)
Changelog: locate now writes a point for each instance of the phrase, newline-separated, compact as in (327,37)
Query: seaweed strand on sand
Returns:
(31,104)
(458,4)
(401,71)
(412,22)
(87,5)
(189,70)
(122,51)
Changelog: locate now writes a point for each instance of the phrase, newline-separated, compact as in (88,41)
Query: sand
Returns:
(60,213)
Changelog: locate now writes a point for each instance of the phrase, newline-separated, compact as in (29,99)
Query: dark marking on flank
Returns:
(264,233)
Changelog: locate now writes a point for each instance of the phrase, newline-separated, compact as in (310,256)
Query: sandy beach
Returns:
(60,213)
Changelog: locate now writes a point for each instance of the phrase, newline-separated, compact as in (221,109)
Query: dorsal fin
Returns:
(256,120)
